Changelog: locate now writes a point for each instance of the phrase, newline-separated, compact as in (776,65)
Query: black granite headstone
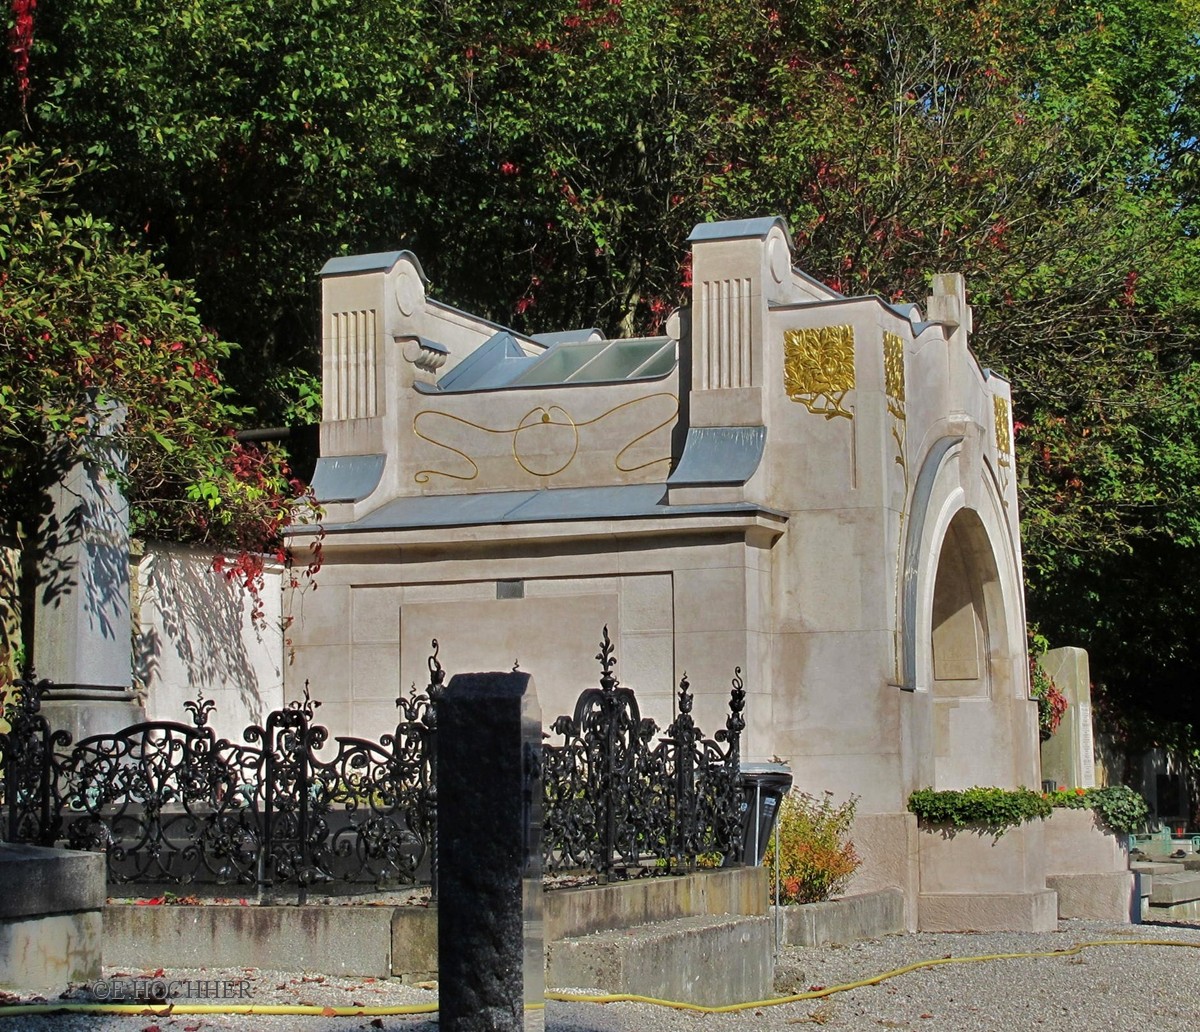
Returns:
(491,965)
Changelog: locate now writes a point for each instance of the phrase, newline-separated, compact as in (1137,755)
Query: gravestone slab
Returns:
(1068,757)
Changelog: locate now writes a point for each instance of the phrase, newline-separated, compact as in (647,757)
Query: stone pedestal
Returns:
(491,960)
(1068,757)
(83,628)
(1087,864)
(50,917)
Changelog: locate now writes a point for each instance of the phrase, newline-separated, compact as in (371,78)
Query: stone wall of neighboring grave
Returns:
(193,629)
(1069,756)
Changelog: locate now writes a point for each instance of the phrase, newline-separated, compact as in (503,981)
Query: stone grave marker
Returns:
(491,963)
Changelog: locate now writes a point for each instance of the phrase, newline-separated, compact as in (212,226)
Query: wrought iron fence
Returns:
(615,799)
(171,803)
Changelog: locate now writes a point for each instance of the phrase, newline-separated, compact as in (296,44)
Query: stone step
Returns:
(1170,889)
(711,961)
(1153,867)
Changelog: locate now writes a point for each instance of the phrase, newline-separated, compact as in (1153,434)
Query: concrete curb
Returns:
(868,915)
(398,940)
(711,961)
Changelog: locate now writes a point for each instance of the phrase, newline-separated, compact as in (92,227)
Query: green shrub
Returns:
(815,857)
(1119,806)
(993,809)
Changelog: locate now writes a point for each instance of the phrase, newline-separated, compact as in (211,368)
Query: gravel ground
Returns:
(1111,987)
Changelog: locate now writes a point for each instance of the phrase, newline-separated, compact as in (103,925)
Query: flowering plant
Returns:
(1052,704)
(816,858)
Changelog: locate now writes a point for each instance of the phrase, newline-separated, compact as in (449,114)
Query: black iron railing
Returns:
(172,804)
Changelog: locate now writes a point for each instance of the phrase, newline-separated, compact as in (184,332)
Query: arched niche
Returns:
(963,629)
(960,629)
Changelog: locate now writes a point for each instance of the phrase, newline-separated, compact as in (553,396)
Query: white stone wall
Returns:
(193,630)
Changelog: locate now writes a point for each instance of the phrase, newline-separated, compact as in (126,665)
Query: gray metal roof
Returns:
(346,478)
(380,261)
(720,455)
(493,364)
(740,229)
(568,336)
(502,362)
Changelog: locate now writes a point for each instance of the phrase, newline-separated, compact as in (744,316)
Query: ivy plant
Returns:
(1118,806)
(994,810)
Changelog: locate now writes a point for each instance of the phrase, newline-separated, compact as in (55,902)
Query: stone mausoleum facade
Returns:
(817,489)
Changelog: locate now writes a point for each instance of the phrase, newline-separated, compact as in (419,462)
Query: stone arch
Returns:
(963,627)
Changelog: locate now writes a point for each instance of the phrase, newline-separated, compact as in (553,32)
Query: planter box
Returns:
(972,880)
(975,861)
(1078,842)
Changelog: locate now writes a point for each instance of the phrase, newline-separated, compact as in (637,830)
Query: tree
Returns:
(87,323)
(243,142)
(548,160)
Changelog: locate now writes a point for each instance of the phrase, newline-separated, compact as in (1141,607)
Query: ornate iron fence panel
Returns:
(27,755)
(171,804)
(616,800)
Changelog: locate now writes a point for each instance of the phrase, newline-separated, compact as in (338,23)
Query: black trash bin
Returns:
(763,787)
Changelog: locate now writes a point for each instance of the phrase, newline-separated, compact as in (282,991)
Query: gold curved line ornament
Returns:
(546,420)
(642,437)
(422,475)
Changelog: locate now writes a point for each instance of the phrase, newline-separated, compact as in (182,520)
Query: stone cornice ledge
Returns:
(760,527)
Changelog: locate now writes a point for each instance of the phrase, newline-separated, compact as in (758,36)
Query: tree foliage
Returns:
(547,161)
(89,325)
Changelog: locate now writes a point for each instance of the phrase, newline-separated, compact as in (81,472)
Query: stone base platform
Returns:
(711,961)
(50,917)
(1102,896)
(988,912)
(399,940)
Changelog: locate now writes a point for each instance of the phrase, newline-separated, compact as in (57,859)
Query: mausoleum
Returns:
(815,488)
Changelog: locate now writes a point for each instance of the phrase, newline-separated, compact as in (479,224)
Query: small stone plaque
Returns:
(1087,749)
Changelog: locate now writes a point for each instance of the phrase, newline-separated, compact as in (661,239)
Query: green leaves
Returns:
(86,323)
(547,161)
(1118,806)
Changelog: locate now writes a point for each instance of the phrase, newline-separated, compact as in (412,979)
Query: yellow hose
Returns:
(166,1010)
